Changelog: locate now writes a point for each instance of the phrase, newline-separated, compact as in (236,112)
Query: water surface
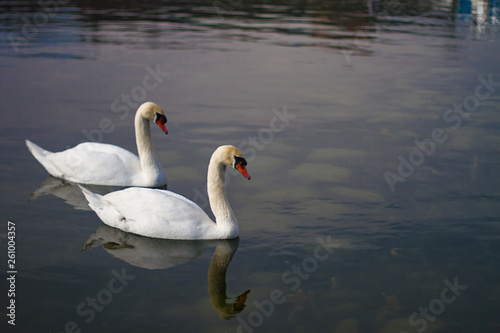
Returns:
(371,137)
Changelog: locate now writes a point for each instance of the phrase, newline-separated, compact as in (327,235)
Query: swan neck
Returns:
(144,142)
(216,188)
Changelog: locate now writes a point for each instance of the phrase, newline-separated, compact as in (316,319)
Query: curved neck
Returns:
(223,254)
(217,274)
(149,162)
(216,188)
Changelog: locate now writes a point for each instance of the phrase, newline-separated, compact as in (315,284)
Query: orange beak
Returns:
(161,123)
(241,168)
(240,304)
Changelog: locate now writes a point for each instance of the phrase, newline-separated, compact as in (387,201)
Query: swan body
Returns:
(105,164)
(164,214)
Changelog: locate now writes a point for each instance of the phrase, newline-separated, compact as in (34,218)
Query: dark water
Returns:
(372,138)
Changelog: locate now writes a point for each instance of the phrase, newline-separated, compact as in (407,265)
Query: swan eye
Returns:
(238,160)
(160,117)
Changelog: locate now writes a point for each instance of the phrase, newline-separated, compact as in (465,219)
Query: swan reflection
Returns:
(153,253)
(70,192)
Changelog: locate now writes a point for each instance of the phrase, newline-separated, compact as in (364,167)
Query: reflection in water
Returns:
(478,17)
(70,192)
(151,253)
(224,252)
(337,25)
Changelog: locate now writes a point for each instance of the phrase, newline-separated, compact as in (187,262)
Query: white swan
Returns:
(165,214)
(105,164)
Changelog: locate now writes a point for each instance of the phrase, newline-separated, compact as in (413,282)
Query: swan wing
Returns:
(105,148)
(96,163)
(155,213)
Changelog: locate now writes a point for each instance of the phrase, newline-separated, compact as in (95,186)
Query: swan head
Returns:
(153,112)
(232,157)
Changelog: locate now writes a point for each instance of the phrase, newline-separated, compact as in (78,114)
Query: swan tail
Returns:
(104,209)
(95,200)
(41,156)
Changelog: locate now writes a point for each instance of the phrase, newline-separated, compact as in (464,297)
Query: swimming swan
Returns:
(105,164)
(164,214)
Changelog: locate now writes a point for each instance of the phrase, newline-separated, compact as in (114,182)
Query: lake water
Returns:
(372,135)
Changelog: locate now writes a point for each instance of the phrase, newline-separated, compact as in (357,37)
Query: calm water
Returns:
(372,137)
